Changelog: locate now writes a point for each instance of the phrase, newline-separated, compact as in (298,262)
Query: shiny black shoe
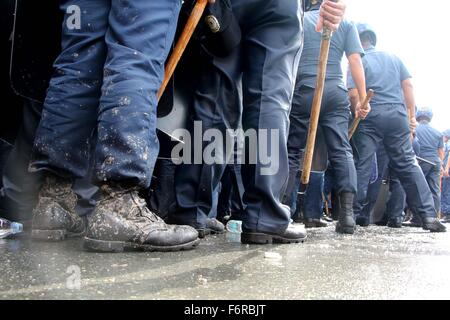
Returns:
(293,234)
(315,223)
(395,223)
(54,218)
(346,223)
(433,225)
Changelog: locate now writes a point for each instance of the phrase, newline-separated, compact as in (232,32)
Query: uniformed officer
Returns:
(388,123)
(265,63)
(432,149)
(105,83)
(335,112)
(445,196)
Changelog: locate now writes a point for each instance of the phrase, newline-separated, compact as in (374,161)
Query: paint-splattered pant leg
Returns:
(138,39)
(63,138)
(106,78)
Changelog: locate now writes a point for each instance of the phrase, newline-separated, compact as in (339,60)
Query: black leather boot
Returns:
(54,218)
(315,223)
(121,221)
(395,223)
(346,222)
(293,234)
(433,225)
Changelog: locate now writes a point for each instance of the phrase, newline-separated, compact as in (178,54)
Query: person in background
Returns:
(334,117)
(251,88)
(432,150)
(389,123)
(445,196)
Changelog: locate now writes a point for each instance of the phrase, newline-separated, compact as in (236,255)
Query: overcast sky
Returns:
(417,32)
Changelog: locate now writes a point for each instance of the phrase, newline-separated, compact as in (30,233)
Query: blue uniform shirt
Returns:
(384,74)
(431,140)
(344,40)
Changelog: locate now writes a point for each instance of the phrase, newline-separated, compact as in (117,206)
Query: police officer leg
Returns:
(335,118)
(63,138)
(272,45)
(445,199)
(366,142)
(298,131)
(20,187)
(433,175)
(217,107)
(313,207)
(396,204)
(138,39)
(404,164)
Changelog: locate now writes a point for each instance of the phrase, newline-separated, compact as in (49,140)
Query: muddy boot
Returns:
(54,218)
(433,225)
(121,221)
(346,222)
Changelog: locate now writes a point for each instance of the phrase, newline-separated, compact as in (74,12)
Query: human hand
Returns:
(331,15)
(361,112)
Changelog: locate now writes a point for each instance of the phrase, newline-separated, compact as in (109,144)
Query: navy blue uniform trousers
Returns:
(265,64)
(396,203)
(106,80)
(334,118)
(433,176)
(311,205)
(388,124)
(445,198)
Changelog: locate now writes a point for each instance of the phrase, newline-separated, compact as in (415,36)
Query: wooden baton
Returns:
(316,106)
(182,43)
(356,122)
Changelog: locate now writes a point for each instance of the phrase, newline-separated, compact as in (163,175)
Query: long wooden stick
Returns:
(182,43)
(356,122)
(316,106)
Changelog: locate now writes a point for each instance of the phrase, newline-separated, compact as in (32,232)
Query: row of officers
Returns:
(96,137)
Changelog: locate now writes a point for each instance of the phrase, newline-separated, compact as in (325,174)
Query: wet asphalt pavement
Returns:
(375,263)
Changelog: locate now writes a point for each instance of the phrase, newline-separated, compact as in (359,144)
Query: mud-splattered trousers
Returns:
(265,63)
(105,81)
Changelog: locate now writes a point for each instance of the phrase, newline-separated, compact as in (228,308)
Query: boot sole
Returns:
(53,235)
(120,246)
(261,238)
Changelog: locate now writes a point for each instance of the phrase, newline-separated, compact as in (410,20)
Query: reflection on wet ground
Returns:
(375,263)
